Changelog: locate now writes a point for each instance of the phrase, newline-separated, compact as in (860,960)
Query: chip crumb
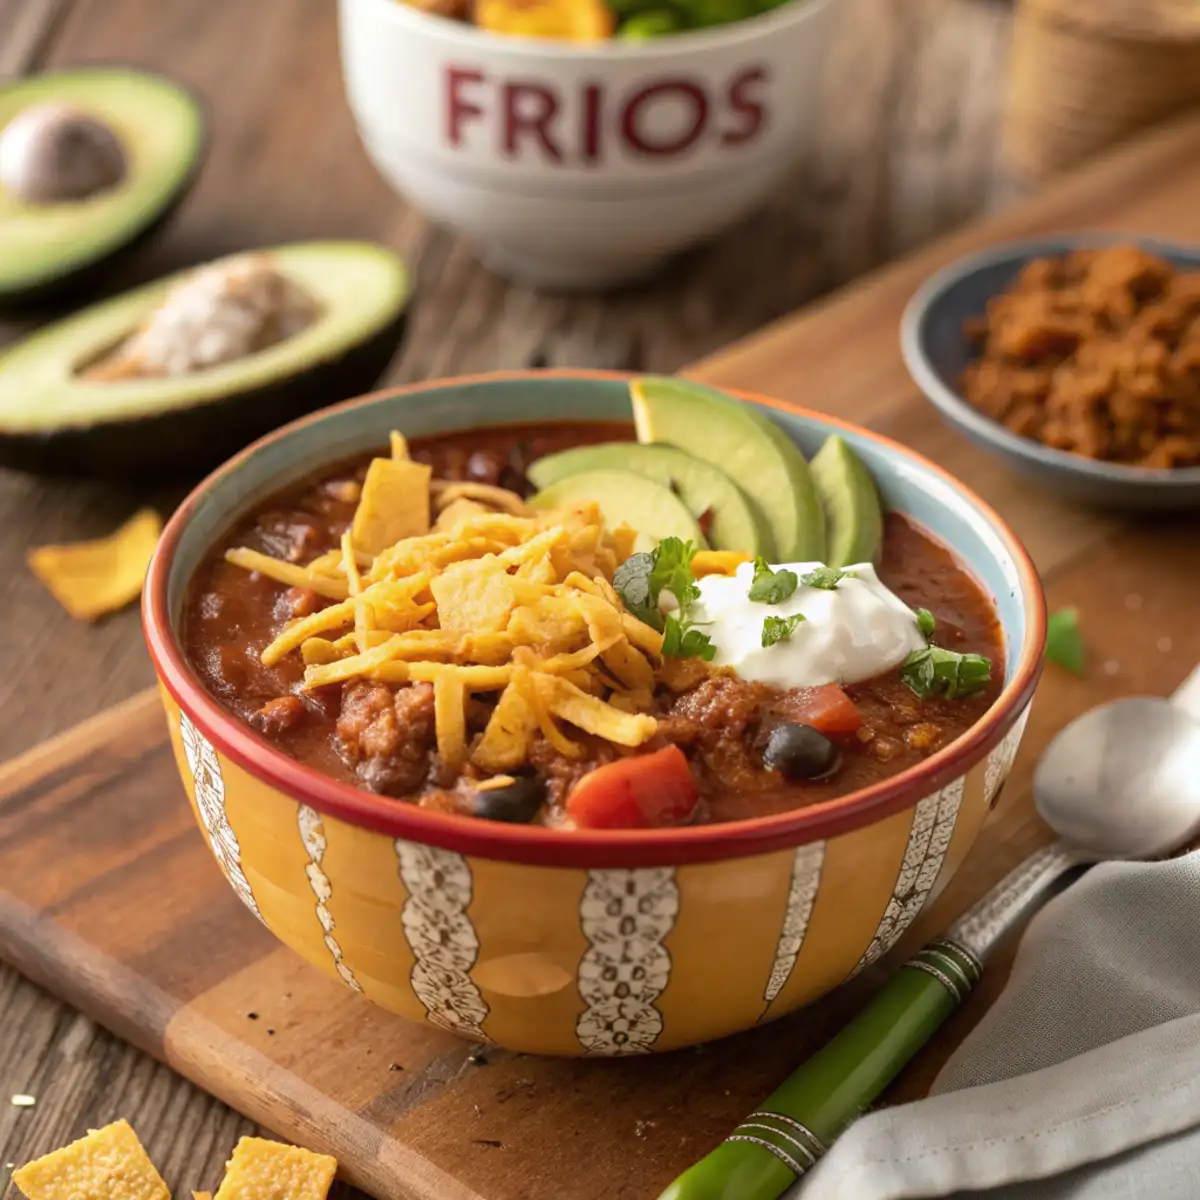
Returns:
(106,1164)
(262,1170)
(93,578)
(21,1100)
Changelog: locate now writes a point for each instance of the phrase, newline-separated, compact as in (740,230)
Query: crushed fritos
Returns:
(494,597)
(111,1164)
(106,1164)
(262,1170)
(91,579)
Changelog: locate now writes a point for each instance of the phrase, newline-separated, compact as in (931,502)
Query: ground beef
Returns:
(1095,352)
(561,773)
(282,713)
(387,736)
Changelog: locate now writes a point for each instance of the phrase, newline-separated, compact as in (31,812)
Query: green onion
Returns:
(1064,641)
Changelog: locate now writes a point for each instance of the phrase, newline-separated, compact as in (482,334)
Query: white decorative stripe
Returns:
(806,880)
(1000,761)
(312,834)
(209,789)
(625,915)
(442,938)
(928,840)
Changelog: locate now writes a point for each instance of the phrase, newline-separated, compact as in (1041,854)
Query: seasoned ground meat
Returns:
(562,774)
(387,735)
(284,712)
(1096,352)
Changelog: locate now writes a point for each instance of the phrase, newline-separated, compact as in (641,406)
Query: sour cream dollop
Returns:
(855,631)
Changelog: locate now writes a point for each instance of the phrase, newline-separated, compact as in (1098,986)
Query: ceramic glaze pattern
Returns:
(625,916)
(312,834)
(806,881)
(1000,761)
(208,786)
(928,840)
(441,936)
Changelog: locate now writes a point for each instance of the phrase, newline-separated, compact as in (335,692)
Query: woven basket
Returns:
(1087,73)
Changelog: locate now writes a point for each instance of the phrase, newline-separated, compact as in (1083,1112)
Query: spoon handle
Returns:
(792,1128)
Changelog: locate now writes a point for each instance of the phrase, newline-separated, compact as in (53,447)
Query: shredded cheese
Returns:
(493,598)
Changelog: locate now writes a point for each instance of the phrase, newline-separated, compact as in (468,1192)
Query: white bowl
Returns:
(583,166)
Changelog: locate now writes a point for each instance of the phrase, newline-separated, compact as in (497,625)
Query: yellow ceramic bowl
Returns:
(579,943)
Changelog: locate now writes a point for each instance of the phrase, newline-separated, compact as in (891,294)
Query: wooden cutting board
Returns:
(109,898)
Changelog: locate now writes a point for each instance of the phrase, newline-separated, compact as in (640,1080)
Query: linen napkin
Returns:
(1082,1081)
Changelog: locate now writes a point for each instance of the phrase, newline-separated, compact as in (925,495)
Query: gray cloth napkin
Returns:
(1083,1080)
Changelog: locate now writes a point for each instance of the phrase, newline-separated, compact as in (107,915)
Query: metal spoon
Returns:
(1120,782)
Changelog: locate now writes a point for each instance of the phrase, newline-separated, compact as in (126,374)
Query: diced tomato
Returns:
(827,709)
(645,791)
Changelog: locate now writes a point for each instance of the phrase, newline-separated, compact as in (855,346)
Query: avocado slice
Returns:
(626,499)
(703,488)
(752,450)
(161,129)
(853,513)
(52,420)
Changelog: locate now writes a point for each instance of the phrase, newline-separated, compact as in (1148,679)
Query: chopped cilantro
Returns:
(779,629)
(825,578)
(682,640)
(632,580)
(1064,640)
(935,669)
(771,587)
(642,578)
(925,622)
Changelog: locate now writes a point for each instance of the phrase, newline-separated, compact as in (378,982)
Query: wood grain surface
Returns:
(907,149)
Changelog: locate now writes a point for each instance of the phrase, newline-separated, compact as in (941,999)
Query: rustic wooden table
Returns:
(907,149)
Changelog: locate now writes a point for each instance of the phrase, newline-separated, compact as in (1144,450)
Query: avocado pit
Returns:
(220,313)
(52,153)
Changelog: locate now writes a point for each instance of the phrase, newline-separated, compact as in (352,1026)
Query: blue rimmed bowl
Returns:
(937,351)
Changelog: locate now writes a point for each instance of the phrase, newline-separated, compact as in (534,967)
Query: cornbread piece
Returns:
(107,1164)
(262,1170)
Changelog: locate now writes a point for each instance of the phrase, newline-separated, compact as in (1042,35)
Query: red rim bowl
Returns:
(587,849)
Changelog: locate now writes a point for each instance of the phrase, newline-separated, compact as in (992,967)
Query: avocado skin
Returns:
(86,278)
(186,440)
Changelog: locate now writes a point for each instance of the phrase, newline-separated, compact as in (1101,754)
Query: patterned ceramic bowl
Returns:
(587,942)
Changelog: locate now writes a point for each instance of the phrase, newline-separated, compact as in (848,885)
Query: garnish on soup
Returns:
(410,624)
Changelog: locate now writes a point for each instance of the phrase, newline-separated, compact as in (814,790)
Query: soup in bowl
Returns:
(586,715)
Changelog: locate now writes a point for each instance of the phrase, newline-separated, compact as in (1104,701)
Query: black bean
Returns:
(800,752)
(517,802)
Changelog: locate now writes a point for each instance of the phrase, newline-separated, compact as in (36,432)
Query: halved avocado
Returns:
(735,525)
(853,514)
(162,131)
(752,450)
(52,420)
(626,499)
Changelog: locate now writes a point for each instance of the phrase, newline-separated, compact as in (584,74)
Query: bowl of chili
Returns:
(605,899)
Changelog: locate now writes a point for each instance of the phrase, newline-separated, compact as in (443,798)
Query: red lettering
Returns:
(637,139)
(592,98)
(746,106)
(528,109)
(458,107)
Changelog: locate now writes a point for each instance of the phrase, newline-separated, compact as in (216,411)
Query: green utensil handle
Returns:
(773,1147)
